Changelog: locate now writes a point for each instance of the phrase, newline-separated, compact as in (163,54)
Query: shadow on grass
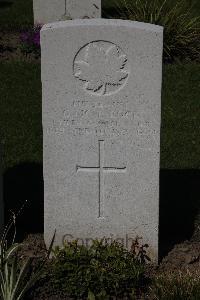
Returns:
(179,206)
(110,12)
(21,183)
(179,202)
(5,4)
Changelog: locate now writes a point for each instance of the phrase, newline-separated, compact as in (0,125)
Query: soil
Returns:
(10,48)
(183,257)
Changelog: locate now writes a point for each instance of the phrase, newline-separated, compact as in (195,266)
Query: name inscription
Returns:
(111,119)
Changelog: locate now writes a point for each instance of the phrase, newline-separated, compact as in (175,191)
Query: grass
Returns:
(180,139)
(15,14)
(181,29)
(20,106)
(21,127)
(176,286)
(109,5)
(20,112)
(19,13)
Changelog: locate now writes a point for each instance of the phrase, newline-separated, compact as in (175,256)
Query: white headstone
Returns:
(101,120)
(46,11)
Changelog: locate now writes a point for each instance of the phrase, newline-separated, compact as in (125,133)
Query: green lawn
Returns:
(20,115)
(20,106)
(15,14)
(180,138)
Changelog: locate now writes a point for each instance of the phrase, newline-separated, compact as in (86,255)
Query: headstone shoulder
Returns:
(104,22)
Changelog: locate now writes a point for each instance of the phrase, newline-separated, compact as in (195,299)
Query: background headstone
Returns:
(46,11)
(1,194)
(101,121)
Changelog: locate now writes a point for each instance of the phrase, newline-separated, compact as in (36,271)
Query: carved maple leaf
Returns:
(101,68)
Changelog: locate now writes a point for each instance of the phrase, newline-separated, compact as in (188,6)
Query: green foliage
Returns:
(101,296)
(30,41)
(104,296)
(181,29)
(27,49)
(96,272)
(15,276)
(182,286)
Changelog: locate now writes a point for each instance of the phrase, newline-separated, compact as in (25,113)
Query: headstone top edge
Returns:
(103,22)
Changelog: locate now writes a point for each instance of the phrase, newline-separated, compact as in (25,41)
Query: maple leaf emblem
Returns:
(102,69)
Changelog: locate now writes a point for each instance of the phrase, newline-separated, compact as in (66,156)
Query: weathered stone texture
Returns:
(101,120)
(47,11)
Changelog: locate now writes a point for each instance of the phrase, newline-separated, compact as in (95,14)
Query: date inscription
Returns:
(83,118)
(111,119)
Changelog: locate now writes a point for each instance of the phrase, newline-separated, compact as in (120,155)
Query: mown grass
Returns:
(180,138)
(21,125)
(20,113)
(15,14)
(20,106)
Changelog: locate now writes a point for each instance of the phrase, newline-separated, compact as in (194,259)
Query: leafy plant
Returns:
(181,29)
(15,277)
(172,286)
(30,40)
(101,296)
(98,271)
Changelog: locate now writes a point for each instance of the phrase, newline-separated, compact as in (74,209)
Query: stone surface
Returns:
(101,120)
(46,11)
(1,194)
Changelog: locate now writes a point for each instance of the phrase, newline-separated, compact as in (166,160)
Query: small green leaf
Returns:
(91,296)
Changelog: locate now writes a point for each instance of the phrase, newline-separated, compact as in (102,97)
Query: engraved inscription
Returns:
(101,67)
(115,118)
(100,169)
(83,118)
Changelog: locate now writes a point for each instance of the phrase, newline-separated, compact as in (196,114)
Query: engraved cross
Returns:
(100,169)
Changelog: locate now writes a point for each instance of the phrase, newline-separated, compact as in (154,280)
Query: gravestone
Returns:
(46,11)
(101,123)
(1,195)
